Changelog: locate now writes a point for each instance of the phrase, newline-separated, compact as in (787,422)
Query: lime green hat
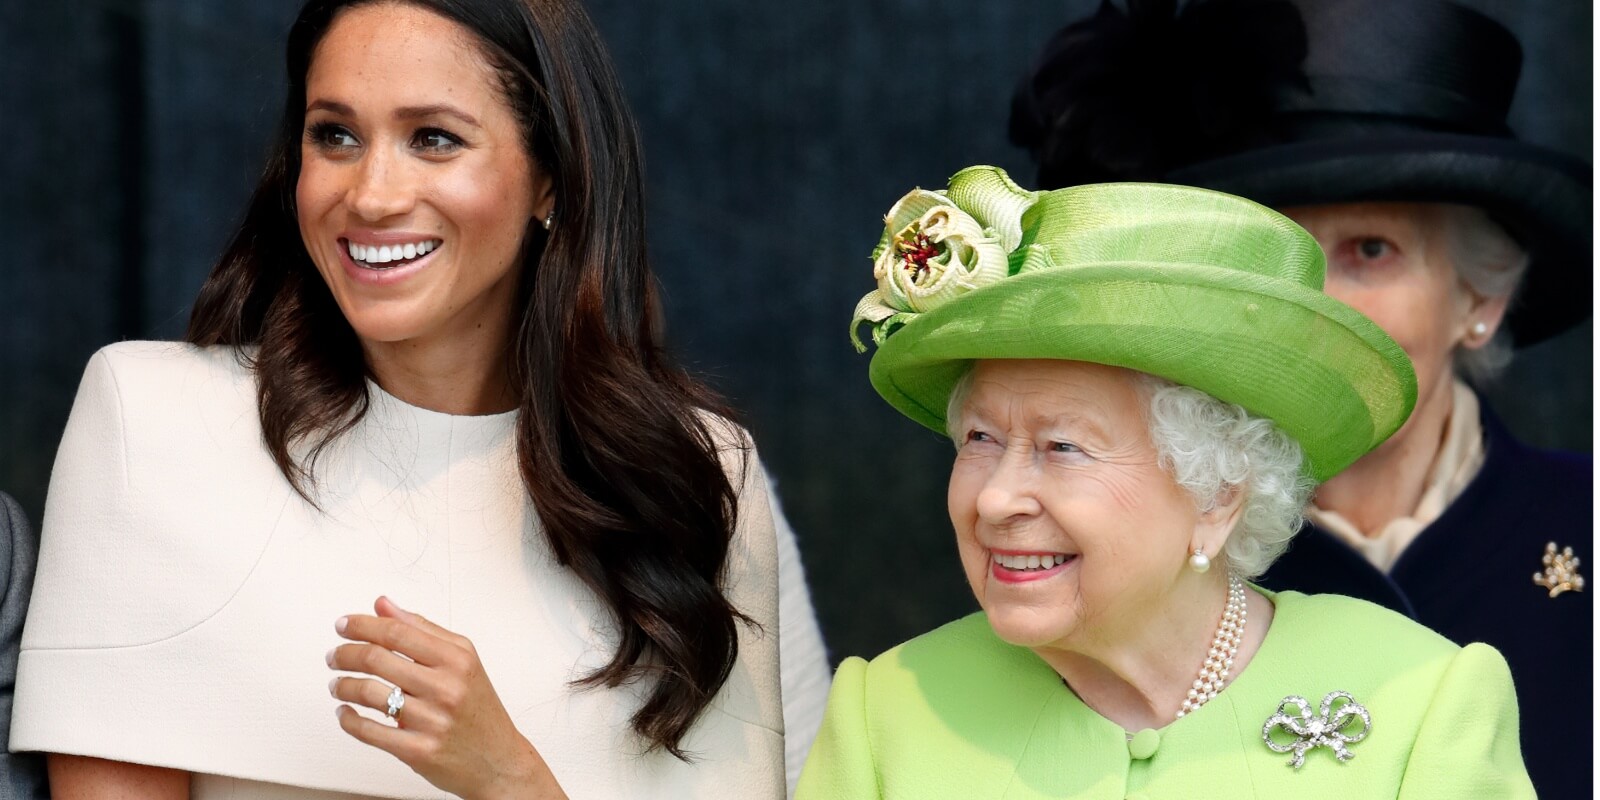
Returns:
(1198,287)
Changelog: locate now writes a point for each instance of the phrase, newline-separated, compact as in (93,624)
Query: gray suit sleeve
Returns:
(21,774)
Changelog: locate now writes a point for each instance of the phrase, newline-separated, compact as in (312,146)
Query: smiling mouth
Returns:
(384,257)
(1030,562)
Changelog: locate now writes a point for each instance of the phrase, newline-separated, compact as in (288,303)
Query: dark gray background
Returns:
(776,136)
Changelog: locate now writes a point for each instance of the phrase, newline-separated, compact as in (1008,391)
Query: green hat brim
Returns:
(1322,372)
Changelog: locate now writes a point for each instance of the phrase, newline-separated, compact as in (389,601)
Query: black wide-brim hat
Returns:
(1394,100)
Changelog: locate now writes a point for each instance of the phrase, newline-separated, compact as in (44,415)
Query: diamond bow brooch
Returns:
(1329,729)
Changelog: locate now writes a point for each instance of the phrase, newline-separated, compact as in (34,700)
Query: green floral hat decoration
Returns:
(1202,288)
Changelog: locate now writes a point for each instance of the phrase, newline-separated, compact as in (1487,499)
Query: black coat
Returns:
(1469,576)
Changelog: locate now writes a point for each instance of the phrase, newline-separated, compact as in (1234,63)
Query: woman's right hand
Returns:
(453,729)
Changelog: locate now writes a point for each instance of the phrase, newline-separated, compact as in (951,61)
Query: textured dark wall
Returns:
(776,137)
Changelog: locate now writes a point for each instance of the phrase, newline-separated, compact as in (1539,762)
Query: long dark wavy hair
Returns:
(611,442)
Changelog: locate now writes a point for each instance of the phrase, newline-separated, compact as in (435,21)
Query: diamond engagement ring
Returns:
(397,703)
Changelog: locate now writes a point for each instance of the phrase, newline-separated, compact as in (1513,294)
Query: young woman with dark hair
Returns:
(427,366)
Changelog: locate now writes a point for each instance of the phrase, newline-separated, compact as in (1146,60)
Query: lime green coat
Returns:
(957,713)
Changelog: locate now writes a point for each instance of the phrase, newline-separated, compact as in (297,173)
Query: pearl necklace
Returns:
(1224,646)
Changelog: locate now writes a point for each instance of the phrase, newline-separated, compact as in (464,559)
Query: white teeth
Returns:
(1034,562)
(374,254)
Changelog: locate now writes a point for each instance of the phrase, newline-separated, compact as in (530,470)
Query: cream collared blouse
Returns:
(1457,463)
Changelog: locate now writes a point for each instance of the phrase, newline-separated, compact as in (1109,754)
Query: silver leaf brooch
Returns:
(1333,728)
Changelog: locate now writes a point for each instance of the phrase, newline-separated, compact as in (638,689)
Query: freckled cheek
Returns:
(318,189)
(485,207)
(317,197)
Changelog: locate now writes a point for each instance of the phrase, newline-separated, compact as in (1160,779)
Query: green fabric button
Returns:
(1144,744)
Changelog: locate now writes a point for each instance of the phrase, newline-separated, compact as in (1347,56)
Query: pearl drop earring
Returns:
(550,219)
(1198,562)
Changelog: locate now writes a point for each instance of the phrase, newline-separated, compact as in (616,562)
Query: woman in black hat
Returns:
(1380,126)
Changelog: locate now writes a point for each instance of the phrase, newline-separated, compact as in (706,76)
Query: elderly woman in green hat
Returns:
(1143,384)
(1382,127)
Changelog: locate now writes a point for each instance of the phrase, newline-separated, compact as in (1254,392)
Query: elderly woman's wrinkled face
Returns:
(415,190)
(1067,527)
(1391,262)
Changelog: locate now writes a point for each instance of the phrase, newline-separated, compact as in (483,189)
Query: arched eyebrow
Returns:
(331,106)
(406,112)
(418,112)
